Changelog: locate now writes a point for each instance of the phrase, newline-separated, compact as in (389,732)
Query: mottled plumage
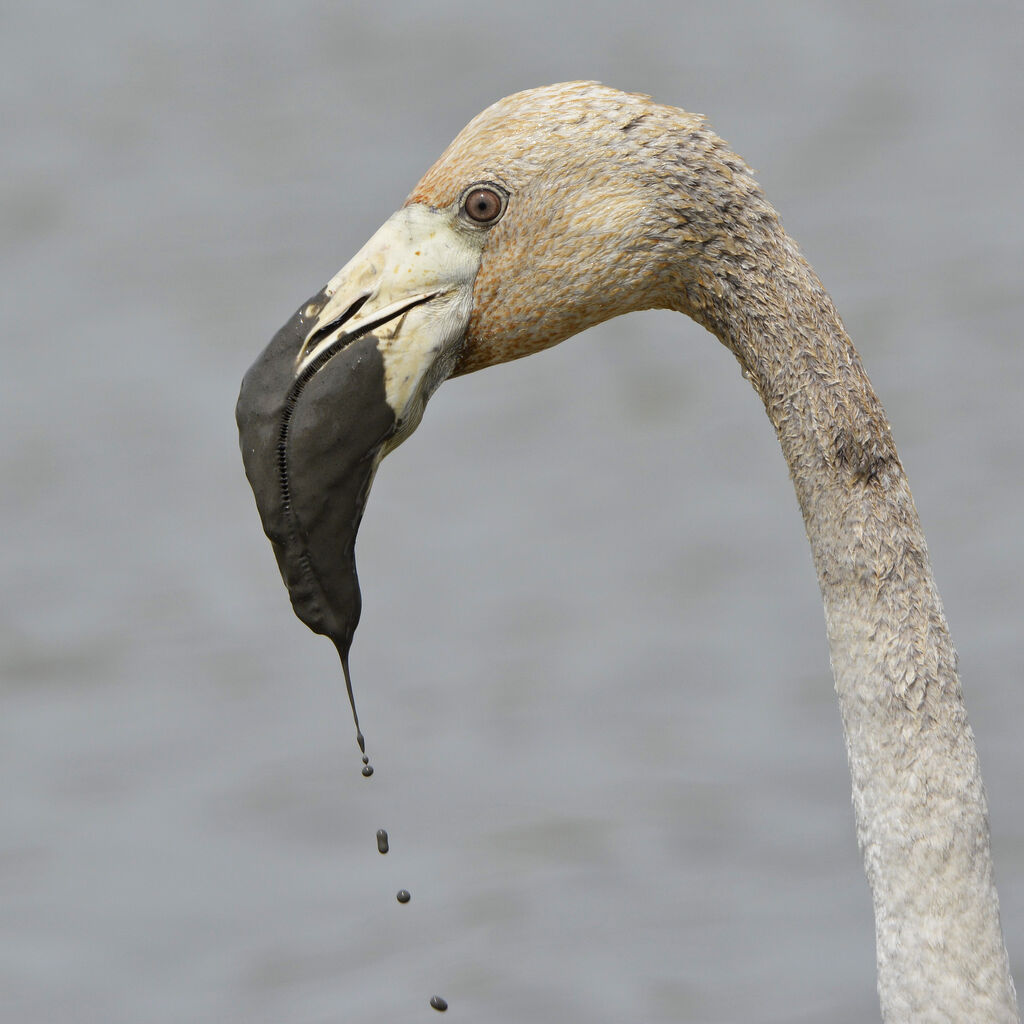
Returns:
(618,203)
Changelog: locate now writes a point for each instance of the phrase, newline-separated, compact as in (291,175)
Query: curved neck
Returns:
(920,808)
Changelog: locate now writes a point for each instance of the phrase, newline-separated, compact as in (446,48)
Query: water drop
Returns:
(367,770)
(382,840)
(403,896)
(438,1003)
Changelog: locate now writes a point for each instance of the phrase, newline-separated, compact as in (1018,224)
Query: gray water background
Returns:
(592,668)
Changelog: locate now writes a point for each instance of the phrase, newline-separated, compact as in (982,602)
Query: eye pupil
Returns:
(483,205)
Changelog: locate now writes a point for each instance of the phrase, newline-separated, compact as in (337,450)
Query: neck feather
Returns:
(920,807)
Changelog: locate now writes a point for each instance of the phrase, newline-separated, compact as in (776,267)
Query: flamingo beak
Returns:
(344,382)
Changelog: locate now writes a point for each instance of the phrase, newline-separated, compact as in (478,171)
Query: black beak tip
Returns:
(310,445)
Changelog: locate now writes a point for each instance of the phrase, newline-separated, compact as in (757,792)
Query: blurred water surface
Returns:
(591,667)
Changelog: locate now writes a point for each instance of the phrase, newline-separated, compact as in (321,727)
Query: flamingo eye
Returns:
(483,204)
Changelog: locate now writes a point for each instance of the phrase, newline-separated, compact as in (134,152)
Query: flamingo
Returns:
(556,209)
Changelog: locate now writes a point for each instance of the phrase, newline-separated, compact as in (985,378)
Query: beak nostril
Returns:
(329,328)
(331,337)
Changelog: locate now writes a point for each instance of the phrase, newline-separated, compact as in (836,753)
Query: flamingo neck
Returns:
(920,808)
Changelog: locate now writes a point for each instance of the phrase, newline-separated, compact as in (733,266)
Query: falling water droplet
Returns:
(367,770)
(366,760)
(438,1003)
(403,896)
(382,840)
